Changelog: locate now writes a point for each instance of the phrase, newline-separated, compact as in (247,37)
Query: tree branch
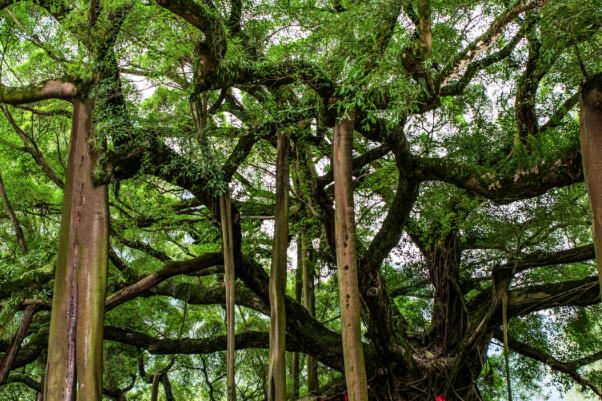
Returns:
(522,183)
(569,368)
(483,42)
(51,89)
(169,270)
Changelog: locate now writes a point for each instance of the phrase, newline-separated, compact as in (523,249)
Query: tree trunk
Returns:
(15,345)
(74,364)
(309,303)
(228,251)
(449,317)
(591,151)
(155,387)
(349,295)
(277,362)
(8,208)
(295,368)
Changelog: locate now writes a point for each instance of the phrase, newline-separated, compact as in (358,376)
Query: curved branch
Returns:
(569,368)
(559,114)
(169,270)
(530,299)
(483,42)
(539,259)
(272,75)
(521,183)
(207,19)
(51,89)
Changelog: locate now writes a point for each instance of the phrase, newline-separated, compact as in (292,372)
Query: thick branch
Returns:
(272,75)
(169,270)
(207,19)
(522,183)
(538,259)
(51,89)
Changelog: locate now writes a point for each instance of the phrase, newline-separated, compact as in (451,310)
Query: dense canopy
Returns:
(126,123)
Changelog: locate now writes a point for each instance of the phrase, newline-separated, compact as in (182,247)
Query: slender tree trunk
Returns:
(155,387)
(591,151)
(167,387)
(309,303)
(228,251)
(277,362)
(74,363)
(15,345)
(298,294)
(8,208)
(349,295)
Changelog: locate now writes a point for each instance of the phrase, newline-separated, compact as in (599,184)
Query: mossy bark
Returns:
(591,150)
(74,363)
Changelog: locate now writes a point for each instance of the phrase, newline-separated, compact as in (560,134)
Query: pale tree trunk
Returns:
(591,150)
(309,303)
(277,361)
(74,362)
(295,368)
(349,295)
(228,251)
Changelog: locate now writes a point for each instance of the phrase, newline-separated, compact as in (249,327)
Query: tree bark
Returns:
(155,387)
(309,303)
(449,316)
(277,362)
(346,250)
(295,368)
(8,208)
(74,364)
(229,278)
(591,151)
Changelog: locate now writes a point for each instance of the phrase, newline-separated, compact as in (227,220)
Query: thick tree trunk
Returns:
(277,362)
(74,364)
(349,295)
(449,317)
(228,251)
(591,151)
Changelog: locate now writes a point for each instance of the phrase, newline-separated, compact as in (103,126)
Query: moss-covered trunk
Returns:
(74,363)
(591,150)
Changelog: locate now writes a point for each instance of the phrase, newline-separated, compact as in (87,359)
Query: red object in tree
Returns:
(439,398)
(346,396)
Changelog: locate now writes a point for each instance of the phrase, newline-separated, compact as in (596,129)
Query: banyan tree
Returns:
(282,199)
